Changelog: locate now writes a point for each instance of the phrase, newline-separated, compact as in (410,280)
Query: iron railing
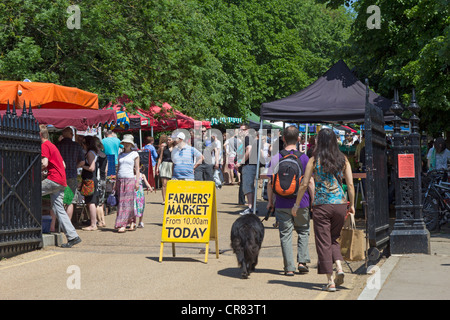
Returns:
(20,182)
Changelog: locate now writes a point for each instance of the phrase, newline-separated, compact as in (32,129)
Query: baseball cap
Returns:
(181,136)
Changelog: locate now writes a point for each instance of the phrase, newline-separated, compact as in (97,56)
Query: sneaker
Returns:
(140,225)
(247,211)
(71,243)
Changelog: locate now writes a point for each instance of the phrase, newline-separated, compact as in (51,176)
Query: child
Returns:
(139,203)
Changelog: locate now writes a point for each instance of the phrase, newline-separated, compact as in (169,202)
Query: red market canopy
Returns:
(167,113)
(46,95)
(164,118)
(142,120)
(346,128)
(81,119)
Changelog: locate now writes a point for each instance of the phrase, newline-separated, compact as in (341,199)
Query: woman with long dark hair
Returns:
(165,165)
(89,173)
(328,166)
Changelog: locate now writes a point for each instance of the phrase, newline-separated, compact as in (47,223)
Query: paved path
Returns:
(125,266)
(414,276)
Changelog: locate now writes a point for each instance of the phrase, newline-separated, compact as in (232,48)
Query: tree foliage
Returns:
(412,49)
(204,57)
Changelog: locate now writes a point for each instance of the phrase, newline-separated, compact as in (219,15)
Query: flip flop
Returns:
(339,279)
(89,229)
(289,273)
(329,287)
(302,268)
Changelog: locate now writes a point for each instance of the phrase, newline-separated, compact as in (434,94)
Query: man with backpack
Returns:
(286,169)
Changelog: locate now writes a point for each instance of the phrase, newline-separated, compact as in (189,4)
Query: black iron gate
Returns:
(20,183)
(377,202)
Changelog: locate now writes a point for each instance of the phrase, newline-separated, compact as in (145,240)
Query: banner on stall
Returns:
(190,214)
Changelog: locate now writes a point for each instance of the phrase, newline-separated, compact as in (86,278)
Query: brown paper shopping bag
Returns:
(352,240)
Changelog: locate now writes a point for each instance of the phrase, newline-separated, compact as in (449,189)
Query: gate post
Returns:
(410,234)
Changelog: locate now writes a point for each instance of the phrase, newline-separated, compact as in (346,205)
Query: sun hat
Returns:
(128,138)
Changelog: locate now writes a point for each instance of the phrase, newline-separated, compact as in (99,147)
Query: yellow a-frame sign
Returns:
(190,215)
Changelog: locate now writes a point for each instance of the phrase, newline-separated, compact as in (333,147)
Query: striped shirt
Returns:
(183,162)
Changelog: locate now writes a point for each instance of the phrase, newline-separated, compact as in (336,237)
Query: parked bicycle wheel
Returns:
(430,212)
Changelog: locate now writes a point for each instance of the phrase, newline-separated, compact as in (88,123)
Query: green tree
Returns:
(410,50)
(273,48)
(205,57)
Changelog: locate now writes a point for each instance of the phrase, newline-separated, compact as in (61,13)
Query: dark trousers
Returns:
(204,172)
(328,221)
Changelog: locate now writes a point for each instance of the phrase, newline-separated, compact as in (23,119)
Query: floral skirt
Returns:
(139,203)
(126,195)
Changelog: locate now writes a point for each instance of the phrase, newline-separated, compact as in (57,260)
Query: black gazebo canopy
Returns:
(337,96)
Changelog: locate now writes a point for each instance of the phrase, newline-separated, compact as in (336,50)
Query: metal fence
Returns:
(377,206)
(20,182)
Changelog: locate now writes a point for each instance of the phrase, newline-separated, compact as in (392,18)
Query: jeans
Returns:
(287,223)
(56,192)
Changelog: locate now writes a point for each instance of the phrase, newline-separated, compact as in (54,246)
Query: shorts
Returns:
(248,178)
(72,183)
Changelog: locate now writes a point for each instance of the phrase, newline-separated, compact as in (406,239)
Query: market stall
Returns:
(46,96)
(79,119)
(55,105)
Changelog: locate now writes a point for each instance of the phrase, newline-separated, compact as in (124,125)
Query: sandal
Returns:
(289,273)
(303,268)
(339,279)
(90,228)
(331,287)
(132,227)
(122,230)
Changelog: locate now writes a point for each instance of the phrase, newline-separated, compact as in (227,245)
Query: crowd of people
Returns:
(225,158)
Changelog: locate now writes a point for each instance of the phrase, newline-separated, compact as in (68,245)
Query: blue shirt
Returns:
(112,145)
(150,148)
(183,162)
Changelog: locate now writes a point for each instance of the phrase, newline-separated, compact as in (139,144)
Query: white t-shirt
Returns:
(126,164)
(218,146)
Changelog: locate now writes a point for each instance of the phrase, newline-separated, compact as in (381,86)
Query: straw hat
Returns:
(128,138)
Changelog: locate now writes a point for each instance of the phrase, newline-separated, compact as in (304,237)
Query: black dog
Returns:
(247,234)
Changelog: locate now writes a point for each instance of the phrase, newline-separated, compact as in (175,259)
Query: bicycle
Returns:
(436,204)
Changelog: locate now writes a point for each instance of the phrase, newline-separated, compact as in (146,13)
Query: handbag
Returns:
(87,188)
(352,240)
(112,200)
